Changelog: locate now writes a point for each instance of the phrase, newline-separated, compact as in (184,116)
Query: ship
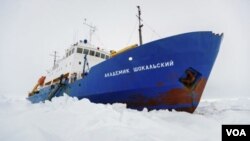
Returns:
(169,73)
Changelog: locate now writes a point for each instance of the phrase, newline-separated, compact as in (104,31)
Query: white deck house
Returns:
(73,61)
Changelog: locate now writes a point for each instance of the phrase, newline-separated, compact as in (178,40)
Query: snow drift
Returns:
(66,118)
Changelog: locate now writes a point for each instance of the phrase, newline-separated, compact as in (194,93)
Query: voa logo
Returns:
(236,132)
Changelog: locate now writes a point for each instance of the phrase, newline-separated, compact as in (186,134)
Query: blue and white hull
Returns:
(169,73)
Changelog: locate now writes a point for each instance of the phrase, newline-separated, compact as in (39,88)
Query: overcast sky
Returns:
(30,30)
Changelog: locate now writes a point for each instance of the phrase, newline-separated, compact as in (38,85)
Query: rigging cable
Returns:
(152,30)
(147,25)
(132,33)
(98,39)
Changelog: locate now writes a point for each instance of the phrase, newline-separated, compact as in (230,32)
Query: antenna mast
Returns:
(140,25)
(54,55)
(91,30)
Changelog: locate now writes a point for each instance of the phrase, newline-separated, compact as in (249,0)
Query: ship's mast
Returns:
(140,25)
(91,30)
(55,56)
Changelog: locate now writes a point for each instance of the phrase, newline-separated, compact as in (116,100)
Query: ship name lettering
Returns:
(154,66)
(116,73)
(141,68)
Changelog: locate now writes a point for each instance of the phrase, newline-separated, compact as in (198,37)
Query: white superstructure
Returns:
(72,63)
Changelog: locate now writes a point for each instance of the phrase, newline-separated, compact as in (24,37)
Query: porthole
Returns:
(130,58)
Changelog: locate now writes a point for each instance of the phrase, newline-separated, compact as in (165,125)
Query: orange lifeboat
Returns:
(40,82)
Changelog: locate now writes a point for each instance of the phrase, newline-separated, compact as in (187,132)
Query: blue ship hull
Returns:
(169,73)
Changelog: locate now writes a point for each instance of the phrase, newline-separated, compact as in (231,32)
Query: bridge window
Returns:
(97,54)
(107,57)
(92,53)
(79,50)
(73,49)
(102,56)
(86,51)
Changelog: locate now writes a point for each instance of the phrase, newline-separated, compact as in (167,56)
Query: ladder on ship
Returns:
(58,90)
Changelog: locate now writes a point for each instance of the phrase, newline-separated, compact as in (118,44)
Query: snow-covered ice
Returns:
(67,118)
